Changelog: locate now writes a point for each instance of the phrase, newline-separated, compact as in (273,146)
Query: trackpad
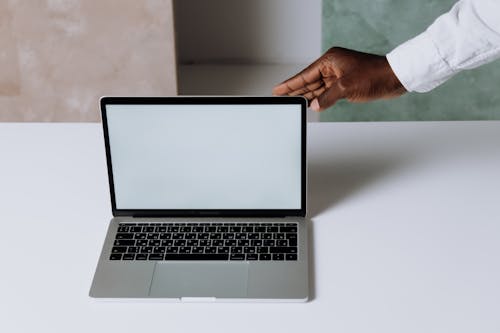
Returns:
(210,279)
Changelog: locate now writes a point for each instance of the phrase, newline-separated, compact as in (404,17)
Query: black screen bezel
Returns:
(207,101)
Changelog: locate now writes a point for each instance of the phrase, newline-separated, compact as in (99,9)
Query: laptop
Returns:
(208,197)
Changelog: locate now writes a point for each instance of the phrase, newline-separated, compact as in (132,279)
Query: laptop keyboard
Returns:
(205,241)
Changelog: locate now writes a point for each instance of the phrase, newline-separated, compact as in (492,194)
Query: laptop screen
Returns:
(205,156)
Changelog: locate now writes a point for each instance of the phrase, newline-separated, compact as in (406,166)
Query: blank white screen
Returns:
(206,156)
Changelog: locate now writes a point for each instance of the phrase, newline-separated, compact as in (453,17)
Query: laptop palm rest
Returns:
(210,279)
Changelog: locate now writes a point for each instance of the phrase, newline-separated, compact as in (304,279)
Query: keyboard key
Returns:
(281,242)
(292,242)
(192,242)
(123,229)
(179,242)
(215,256)
(249,249)
(128,256)
(141,256)
(291,256)
(243,242)
(211,249)
(204,242)
(272,229)
(172,249)
(260,229)
(141,242)
(252,256)
(279,235)
(158,249)
(140,236)
(185,249)
(237,256)
(278,256)
(263,249)
(282,249)
(264,256)
(269,242)
(124,236)
(115,256)
(156,256)
(253,236)
(154,242)
(198,249)
(132,249)
(217,242)
(257,242)
(146,249)
(223,249)
(236,249)
(124,242)
(288,229)
(119,249)
(267,236)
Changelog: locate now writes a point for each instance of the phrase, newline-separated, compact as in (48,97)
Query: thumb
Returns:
(327,99)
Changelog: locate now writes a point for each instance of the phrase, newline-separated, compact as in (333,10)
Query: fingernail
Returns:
(315,105)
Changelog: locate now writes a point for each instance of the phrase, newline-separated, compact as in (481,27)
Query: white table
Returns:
(405,230)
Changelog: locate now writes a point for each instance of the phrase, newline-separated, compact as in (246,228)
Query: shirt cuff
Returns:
(418,64)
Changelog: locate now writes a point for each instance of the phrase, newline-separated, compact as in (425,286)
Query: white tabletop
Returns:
(405,234)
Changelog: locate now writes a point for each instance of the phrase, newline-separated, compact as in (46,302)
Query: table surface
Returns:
(405,230)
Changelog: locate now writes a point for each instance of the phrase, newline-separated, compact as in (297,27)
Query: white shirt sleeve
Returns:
(466,37)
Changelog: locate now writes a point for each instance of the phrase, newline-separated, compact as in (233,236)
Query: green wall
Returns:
(377,26)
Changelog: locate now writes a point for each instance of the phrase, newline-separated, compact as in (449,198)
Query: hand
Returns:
(342,73)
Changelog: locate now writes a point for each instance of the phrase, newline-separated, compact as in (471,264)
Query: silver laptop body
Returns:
(205,165)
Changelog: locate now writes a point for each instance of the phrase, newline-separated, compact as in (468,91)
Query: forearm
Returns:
(464,38)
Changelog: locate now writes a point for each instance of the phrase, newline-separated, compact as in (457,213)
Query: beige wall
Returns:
(57,57)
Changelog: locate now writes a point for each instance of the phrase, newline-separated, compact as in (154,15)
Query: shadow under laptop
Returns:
(332,181)
(357,157)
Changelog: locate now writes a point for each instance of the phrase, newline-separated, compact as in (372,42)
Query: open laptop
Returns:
(208,197)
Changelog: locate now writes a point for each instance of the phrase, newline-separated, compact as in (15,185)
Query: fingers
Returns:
(327,98)
(308,88)
(313,94)
(308,76)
